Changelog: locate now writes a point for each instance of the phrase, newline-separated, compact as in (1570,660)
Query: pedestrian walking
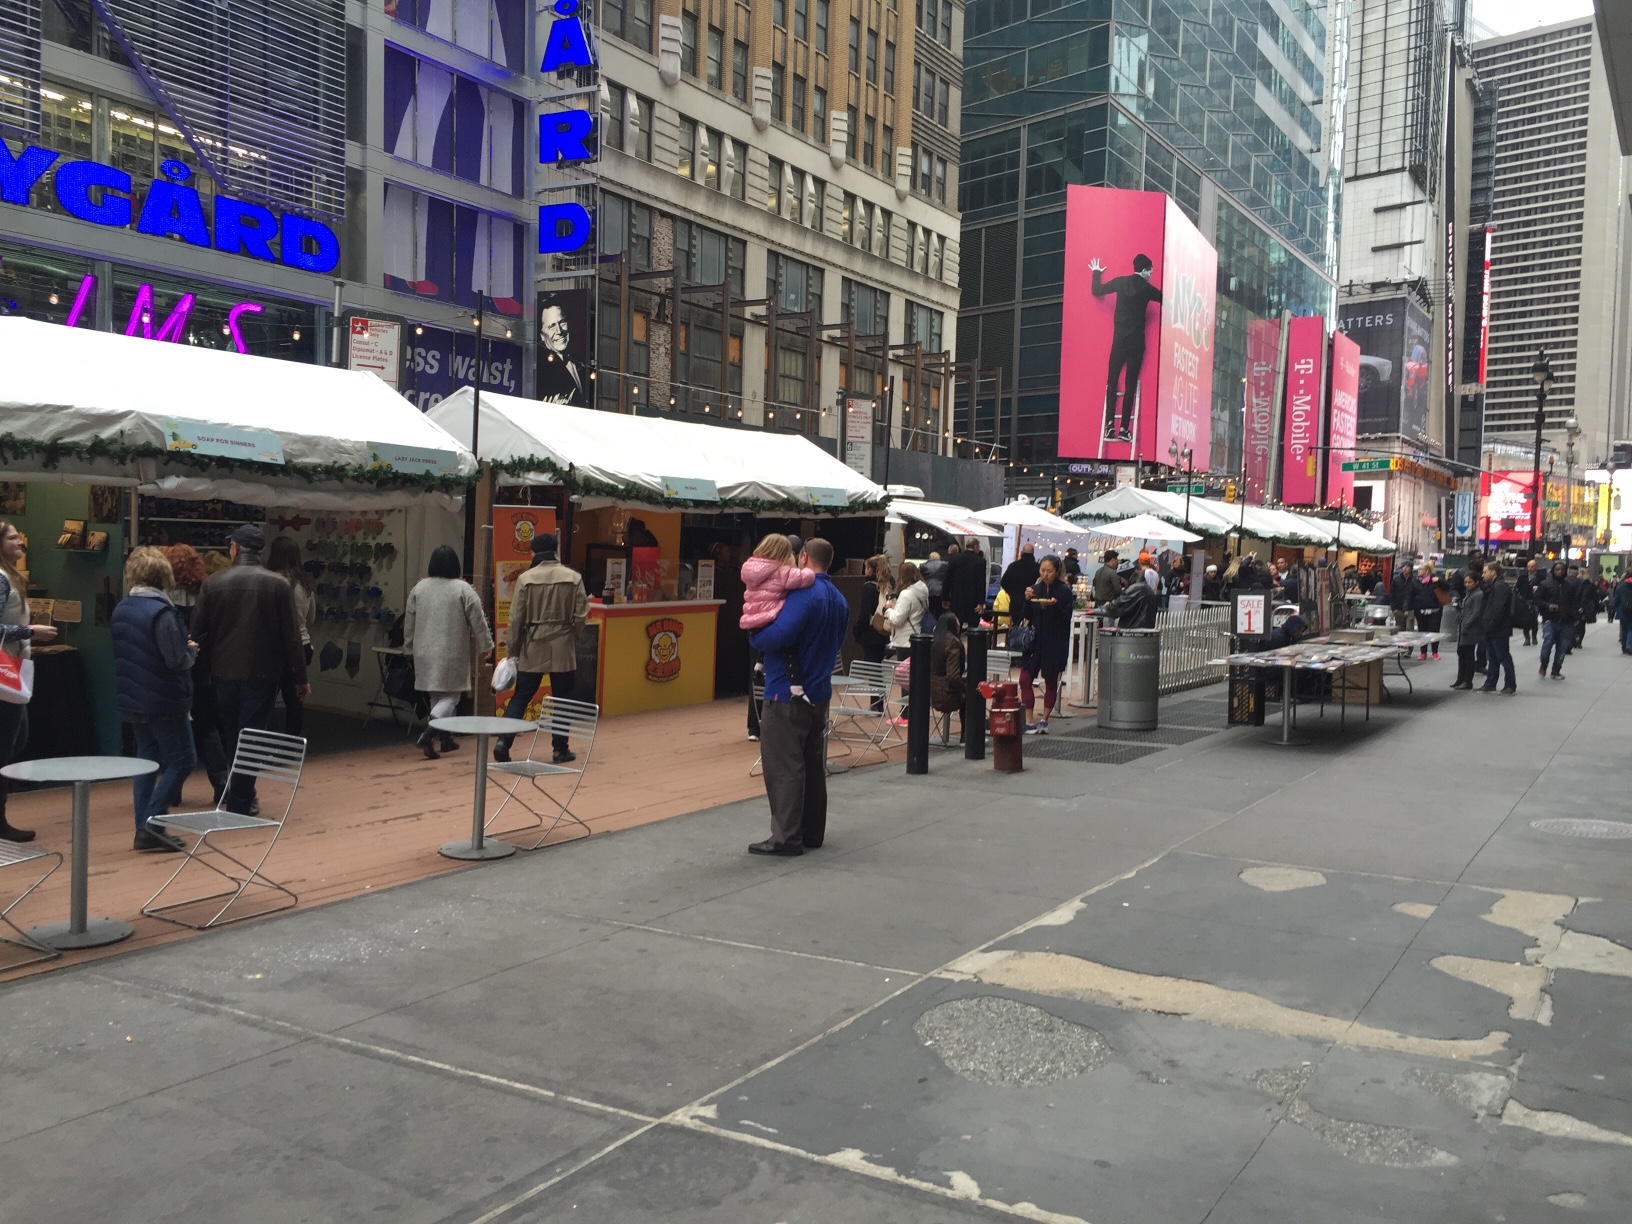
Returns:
(1586,608)
(283,559)
(1524,588)
(548,612)
(1399,595)
(1047,610)
(153,671)
(794,758)
(946,680)
(16,637)
(1018,575)
(1070,567)
(1496,628)
(1556,602)
(933,572)
(1429,595)
(1621,605)
(1468,630)
(187,573)
(445,631)
(966,583)
(906,612)
(244,625)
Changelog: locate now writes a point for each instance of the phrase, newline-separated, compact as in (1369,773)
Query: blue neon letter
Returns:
(566,46)
(564,136)
(244,228)
(551,217)
(74,182)
(19,174)
(171,208)
(292,244)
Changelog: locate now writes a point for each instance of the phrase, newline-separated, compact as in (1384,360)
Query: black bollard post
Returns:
(974,705)
(918,705)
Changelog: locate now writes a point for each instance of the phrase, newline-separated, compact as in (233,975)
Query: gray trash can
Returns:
(1130,672)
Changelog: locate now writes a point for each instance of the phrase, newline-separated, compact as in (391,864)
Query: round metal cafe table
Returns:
(483,728)
(80,931)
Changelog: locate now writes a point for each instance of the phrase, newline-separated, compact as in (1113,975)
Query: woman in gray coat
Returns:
(445,631)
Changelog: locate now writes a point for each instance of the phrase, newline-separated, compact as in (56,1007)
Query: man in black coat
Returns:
(1399,594)
(1137,606)
(1495,628)
(1525,588)
(1558,599)
(966,582)
(1021,573)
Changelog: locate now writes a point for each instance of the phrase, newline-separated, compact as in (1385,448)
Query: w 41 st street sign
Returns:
(1371,465)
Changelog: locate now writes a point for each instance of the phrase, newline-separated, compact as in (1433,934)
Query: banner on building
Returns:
(1263,347)
(1342,419)
(565,342)
(436,362)
(1136,378)
(1300,429)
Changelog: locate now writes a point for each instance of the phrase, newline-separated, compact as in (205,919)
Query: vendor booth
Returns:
(110,441)
(657,515)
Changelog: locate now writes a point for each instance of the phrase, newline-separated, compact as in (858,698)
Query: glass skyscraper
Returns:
(1232,107)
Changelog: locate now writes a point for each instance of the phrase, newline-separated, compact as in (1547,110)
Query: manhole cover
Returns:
(1571,827)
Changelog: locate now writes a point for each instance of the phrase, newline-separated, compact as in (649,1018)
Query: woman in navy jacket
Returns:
(153,662)
(1050,649)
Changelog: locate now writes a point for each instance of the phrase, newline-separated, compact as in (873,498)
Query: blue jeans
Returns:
(1555,634)
(1626,633)
(242,705)
(1498,654)
(169,741)
(561,685)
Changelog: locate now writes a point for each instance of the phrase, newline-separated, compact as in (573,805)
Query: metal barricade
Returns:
(1189,639)
(1080,668)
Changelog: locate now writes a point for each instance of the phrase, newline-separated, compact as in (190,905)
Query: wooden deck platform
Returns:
(374,818)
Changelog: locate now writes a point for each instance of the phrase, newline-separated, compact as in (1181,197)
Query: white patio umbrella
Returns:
(1146,527)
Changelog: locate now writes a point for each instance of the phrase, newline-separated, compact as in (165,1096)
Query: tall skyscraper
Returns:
(1233,108)
(1558,209)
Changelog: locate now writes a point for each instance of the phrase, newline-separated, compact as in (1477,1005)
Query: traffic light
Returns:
(1229,491)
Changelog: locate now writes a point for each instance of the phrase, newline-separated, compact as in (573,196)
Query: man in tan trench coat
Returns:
(547,613)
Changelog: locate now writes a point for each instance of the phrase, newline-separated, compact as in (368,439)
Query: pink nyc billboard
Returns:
(1136,359)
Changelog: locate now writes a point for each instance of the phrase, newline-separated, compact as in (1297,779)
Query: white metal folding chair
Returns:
(756,694)
(578,721)
(861,711)
(14,855)
(266,756)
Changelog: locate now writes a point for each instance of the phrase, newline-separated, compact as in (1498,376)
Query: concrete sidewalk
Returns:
(1226,982)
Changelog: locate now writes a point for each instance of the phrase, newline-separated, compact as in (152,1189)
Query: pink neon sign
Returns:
(174,325)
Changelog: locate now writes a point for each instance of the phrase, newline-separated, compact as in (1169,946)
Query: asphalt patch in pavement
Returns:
(995,1040)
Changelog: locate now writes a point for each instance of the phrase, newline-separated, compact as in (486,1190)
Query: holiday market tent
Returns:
(955,521)
(1216,518)
(82,406)
(611,458)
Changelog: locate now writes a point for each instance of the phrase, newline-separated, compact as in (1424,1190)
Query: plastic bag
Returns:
(504,675)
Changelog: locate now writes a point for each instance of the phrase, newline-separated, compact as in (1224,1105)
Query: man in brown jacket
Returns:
(245,627)
(547,613)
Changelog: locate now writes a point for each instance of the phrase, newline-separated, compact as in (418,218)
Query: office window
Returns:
(687,147)
(889,68)
(924,325)
(638,135)
(739,71)
(613,117)
(940,180)
(776,92)
(630,20)
(821,26)
(846,218)
(779,14)
(870,140)
(945,32)
(688,43)
(869,308)
(739,169)
(626,226)
(850,133)
(711,158)
(798,103)
(943,97)
(716,58)
(818,114)
(886,156)
(801,18)
(855,45)
(925,169)
(872,57)
(815,203)
(773,186)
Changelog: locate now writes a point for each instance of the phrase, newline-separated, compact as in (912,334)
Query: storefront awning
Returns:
(1217,518)
(956,521)
(200,423)
(657,461)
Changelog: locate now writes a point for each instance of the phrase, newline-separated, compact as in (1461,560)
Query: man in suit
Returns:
(966,582)
(793,728)
(562,378)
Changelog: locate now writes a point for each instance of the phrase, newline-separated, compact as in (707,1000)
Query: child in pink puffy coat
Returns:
(768,576)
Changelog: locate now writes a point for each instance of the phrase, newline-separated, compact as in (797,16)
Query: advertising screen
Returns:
(1414,393)
(1300,432)
(1379,329)
(1137,374)
(1340,428)
(1506,496)
(566,341)
(1263,346)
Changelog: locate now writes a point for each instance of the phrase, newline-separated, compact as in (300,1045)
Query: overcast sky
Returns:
(1511,16)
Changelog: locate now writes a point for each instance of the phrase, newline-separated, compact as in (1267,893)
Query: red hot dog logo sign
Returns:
(663,657)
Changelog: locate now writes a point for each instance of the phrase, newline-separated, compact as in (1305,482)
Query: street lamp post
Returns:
(1542,372)
(1572,431)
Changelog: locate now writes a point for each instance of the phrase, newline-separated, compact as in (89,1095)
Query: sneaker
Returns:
(563,756)
(753,739)
(1510,690)
(1558,675)
(149,841)
(1542,670)
(1037,728)
(898,722)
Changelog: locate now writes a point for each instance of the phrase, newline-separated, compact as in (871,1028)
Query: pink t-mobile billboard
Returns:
(1300,431)
(1340,432)
(1136,360)
(1258,408)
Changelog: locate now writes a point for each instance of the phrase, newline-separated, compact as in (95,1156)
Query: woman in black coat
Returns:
(1425,602)
(1048,610)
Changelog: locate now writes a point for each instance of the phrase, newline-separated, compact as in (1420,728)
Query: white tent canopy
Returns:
(1146,527)
(1127,502)
(656,461)
(956,521)
(1216,518)
(77,387)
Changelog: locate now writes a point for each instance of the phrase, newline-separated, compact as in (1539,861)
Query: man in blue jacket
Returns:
(793,739)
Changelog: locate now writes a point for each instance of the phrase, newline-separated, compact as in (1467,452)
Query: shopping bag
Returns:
(504,675)
(16,679)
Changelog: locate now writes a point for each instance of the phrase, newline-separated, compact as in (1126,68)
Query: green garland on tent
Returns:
(51,453)
(575,482)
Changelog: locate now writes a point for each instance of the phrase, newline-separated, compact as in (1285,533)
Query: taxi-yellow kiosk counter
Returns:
(650,656)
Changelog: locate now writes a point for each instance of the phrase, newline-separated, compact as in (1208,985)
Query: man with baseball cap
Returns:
(248,636)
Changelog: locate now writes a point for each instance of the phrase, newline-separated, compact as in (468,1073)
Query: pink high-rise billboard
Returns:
(1136,361)
(1300,430)
(1345,417)
(1258,435)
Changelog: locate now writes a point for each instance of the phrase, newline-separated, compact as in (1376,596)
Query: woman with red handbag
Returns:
(16,672)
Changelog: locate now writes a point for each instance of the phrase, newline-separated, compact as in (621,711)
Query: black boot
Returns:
(10,832)
(447,743)
(424,742)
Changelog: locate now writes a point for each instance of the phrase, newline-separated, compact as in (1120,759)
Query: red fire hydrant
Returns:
(1007,724)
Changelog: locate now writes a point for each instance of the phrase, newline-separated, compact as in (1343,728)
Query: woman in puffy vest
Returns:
(153,662)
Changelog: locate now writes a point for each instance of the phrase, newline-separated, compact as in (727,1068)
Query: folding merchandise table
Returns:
(1327,658)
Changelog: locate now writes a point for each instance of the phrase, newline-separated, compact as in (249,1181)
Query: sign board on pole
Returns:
(858,435)
(1372,465)
(1249,613)
(1464,514)
(376,346)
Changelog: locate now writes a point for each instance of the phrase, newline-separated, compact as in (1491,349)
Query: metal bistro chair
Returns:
(577,720)
(854,717)
(268,757)
(14,855)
